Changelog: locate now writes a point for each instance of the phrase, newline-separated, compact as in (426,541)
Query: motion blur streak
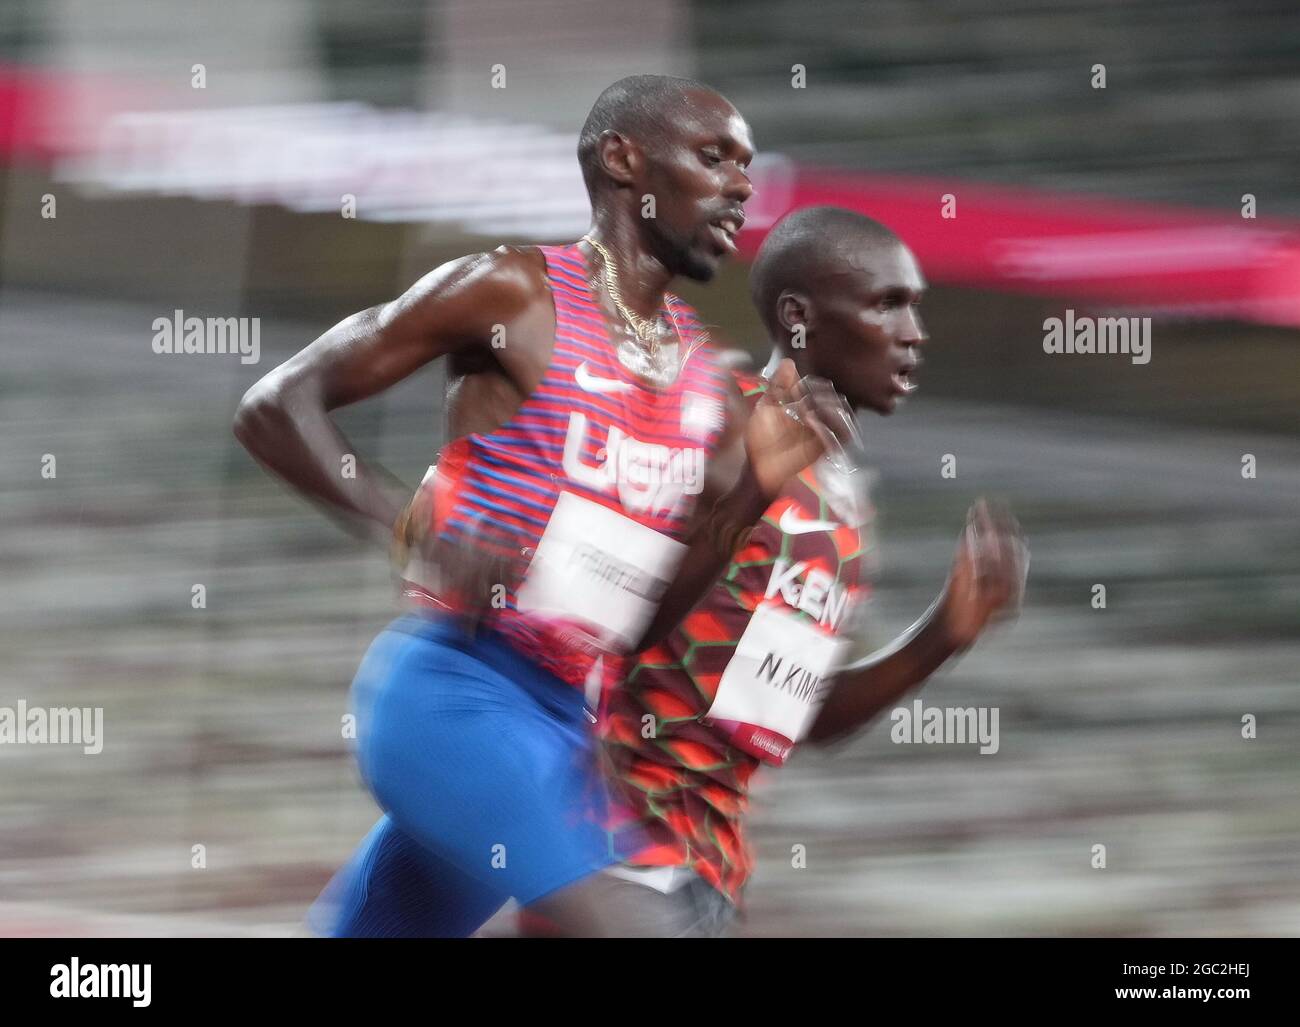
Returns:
(197,157)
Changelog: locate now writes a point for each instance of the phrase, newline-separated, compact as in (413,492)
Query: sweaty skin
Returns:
(696,170)
(694,166)
(458,309)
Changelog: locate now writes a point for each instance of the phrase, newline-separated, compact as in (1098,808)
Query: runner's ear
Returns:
(792,310)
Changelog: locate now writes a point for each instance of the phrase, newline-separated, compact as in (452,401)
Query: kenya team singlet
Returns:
(739,682)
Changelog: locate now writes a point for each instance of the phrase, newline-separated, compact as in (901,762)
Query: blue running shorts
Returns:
(486,768)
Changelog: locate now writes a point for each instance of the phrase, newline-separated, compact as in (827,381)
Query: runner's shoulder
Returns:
(516,275)
(492,286)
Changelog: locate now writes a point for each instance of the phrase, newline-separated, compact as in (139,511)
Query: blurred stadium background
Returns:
(1120,726)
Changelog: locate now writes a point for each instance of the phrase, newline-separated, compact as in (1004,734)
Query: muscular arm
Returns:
(284,422)
(763,448)
(986,584)
(733,501)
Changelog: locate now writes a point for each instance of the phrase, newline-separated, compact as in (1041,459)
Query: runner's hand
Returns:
(988,576)
(795,423)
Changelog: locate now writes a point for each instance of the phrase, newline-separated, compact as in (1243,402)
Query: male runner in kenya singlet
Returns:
(762,662)
(593,434)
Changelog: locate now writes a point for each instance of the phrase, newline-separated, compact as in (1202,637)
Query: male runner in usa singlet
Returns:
(588,512)
(761,663)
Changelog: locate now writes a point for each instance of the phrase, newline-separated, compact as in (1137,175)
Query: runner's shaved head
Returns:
(639,107)
(807,248)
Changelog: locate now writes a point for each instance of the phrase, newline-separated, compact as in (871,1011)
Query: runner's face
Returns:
(696,172)
(866,333)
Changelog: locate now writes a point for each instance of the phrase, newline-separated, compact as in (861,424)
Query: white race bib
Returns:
(598,567)
(775,683)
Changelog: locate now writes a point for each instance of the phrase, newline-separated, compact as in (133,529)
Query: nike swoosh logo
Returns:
(793,524)
(588,382)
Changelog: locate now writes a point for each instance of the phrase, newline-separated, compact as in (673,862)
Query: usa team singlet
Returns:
(595,476)
(477,744)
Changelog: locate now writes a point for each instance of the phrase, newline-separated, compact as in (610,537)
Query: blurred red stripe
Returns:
(1156,259)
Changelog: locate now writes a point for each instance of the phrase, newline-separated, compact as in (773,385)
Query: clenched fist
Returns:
(795,422)
(988,573)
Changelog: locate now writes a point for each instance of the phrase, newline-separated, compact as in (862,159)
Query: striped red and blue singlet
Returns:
(500,488)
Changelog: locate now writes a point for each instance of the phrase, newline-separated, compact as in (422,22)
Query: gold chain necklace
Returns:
(658,365)
(646,330)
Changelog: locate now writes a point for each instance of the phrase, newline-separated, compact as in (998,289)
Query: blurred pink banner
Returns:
(1156,260)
